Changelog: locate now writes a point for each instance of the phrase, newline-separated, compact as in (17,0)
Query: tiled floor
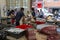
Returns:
(41,36)
(11,38)
(38,37)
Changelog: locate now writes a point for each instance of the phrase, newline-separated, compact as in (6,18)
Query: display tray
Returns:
(50,22)
(39,27)
(40,19)
(15,32)
(58,23)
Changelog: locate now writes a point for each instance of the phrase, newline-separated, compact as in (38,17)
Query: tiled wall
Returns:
(52,3)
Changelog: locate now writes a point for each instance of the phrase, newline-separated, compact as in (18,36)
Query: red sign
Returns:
(39,5)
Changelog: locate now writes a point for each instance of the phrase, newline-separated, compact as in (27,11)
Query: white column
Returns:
(26,5)
(3,7)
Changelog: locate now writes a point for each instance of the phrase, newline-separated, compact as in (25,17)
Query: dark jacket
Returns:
(19,15)
(8,13)
(33,14)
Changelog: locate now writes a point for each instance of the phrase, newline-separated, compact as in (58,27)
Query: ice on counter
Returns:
(58,30)
(42,26)
(39,19)
(58,19)
(15,30)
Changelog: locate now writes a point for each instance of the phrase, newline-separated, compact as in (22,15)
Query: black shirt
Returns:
(33,14)
(19,15)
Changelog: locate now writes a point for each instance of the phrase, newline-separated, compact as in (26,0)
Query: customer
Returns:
(33,13)
(27,17)
(28,14)
(8,12)
(12,17)
(56,14)
(19,15)
(41,14)
(37,14)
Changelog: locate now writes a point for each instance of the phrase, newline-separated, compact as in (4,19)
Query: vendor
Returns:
(33,13)
(19,15)
(28,17)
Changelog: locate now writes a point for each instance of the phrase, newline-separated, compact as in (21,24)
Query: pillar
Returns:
(21,3)
(3,7)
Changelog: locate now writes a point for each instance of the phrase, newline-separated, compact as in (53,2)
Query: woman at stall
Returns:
(12,17)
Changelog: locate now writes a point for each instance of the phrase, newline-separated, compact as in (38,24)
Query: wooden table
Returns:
(16,35)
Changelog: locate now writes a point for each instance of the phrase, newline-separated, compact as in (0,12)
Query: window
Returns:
(17,3)
(12,3)
(25,3)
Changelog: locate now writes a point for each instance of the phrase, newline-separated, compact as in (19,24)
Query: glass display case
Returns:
(25,3)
